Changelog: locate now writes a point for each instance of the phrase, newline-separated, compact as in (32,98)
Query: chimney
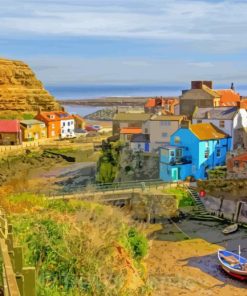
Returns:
(185,124)
(232,86)
(199,84)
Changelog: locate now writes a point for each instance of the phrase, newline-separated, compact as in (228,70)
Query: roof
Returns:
(167,117)
(131,117)
(130,130)
(228,96)
(215,113)
(140,138)
(9,126)
(31,122)
(78,117)
(58,115)
(207,131)
(211,91)
(242,157)
(150,103)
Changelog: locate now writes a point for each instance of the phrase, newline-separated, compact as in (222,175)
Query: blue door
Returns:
(146,148)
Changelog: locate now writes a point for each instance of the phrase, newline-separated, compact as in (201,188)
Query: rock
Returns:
(20,90)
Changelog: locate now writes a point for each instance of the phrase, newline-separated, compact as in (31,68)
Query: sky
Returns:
(168,42)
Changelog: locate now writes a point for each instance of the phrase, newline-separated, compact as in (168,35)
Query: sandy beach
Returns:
(181,266)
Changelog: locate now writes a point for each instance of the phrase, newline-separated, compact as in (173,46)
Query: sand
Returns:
(189,267)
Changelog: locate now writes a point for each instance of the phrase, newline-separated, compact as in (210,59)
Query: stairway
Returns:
(200,212)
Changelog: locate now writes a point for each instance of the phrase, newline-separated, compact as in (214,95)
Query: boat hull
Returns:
(233,268)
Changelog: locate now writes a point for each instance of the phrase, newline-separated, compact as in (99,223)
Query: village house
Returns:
(203,95)
(193,150)
(33,130)
(237,166)
(80,122)
(133,120)
(127,132)
(10,132)
(59,124)
(140,142)
(231,120)
(160,128)
(162,105)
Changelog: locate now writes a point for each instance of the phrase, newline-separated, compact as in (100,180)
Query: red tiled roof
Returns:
(57,116)
(228,96)
(130,130)
(150,103)
(9,126)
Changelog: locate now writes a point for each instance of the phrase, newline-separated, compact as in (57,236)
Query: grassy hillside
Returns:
(78,248)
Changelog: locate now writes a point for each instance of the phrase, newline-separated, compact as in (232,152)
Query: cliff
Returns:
(20,90)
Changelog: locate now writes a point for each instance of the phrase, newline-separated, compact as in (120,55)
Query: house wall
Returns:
(192,98)
(117,125)
(53,129)
(67,128)
(34,132)
(157,129)
(140,146)
(10,139)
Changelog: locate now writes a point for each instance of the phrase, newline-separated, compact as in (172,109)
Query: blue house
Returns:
(193,149)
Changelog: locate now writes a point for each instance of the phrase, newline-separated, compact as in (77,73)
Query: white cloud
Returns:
(216,26)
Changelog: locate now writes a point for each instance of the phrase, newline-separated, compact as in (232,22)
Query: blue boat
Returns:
(233,264)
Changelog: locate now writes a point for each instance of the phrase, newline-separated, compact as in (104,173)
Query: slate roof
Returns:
(222,113)
(131,117)
(207,131)
(141,138)
(9,126)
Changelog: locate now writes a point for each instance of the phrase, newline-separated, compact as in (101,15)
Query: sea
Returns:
(101,91)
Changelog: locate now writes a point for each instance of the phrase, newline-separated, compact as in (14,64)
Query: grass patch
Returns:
(183,197)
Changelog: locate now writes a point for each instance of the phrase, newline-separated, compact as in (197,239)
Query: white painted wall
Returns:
(67,128)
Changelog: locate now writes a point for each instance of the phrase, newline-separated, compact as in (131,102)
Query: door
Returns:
(146,149)
(174,174)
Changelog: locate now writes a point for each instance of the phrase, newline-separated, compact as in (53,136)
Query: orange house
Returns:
(52,122)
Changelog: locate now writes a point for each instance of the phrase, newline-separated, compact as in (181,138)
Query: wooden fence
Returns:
(17,280)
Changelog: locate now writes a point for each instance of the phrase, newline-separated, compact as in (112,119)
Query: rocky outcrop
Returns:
(20,90)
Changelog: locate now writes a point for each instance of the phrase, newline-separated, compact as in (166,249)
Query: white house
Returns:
(67,123)
(231,120)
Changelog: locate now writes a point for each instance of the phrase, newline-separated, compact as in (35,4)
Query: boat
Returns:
(234,264)
(230,229)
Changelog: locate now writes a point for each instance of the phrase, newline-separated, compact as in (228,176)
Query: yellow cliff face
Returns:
(20,90)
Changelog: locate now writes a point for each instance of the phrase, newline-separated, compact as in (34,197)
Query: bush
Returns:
(138,244)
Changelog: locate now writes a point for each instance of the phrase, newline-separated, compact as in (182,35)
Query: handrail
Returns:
(17,280)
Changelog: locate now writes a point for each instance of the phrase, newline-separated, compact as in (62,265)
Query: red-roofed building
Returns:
(228,97)
(59,124)
(166,106)
(237,166)
(127,132)
(10,132)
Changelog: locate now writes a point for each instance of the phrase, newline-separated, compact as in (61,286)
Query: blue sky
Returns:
(77,42)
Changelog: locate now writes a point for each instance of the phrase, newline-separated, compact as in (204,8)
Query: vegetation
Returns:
(108,162)
(78,248)
(183,197)
(16,115)
(219,172)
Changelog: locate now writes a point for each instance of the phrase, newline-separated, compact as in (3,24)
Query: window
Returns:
(218,153)
(53,126)
(146,131)
(53,133)
(199,121)
(63,123)
(206,153)
(172,153)
(164,135)
(165,123)
(222,123)
(68,123)
(179,153)
(72,122)
(177,140)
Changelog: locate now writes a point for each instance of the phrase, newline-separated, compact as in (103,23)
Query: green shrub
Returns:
(138,244)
